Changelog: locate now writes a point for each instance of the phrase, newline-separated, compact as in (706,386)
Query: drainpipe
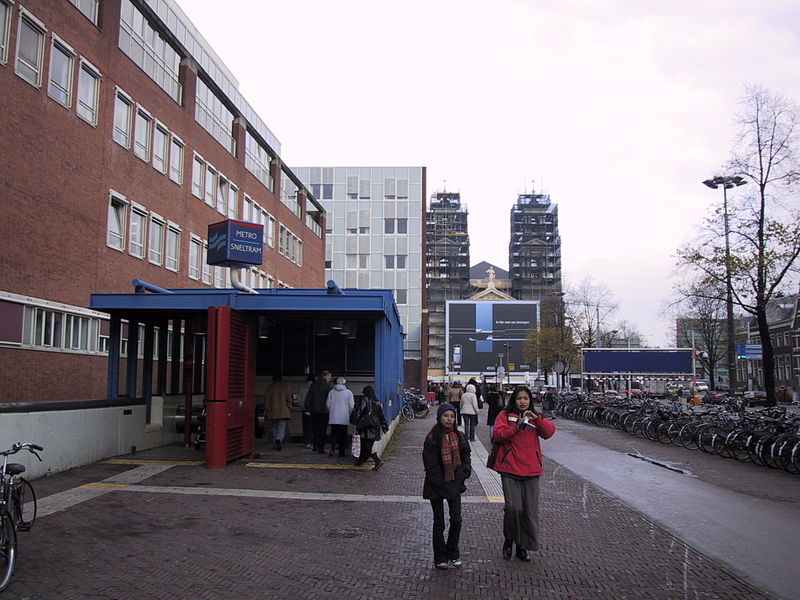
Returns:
(140,287)
(238,284)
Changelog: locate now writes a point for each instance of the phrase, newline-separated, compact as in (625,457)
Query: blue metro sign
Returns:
(232,243)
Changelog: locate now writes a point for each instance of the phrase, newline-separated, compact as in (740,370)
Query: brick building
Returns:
(123,136)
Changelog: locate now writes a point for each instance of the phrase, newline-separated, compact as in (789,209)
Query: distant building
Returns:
(375,239)
(535,248)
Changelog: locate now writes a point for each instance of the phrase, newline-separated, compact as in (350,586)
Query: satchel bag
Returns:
(492,456)
(366,419)
(355,446)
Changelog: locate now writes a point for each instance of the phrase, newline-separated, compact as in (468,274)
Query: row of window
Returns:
(29,63)
(290,246)
(152,142)
(46,328)
(213,188)
(147,233)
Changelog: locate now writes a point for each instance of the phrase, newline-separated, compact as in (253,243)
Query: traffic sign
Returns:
(749,351)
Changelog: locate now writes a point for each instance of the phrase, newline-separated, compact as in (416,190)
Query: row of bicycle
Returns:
(767,437)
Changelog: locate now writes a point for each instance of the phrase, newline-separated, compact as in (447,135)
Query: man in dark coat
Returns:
(316,406)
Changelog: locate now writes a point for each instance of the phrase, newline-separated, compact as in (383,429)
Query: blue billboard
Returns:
(232,243)
(671,361)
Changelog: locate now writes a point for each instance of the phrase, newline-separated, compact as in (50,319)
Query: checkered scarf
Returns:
(451,454)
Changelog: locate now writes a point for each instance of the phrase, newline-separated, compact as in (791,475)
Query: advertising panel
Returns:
(478,332)
(646,360)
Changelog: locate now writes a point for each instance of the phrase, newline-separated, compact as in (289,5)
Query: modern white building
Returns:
(375,239)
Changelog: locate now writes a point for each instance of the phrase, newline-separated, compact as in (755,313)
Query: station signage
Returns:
(749,352)
(233,242)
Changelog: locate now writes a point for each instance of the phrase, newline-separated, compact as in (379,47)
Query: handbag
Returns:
(355,446)
(366,419)
(492,456)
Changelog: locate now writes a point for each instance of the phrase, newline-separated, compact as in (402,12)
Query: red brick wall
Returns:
(55,177)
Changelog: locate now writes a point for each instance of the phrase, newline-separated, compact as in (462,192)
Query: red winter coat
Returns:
(519,452)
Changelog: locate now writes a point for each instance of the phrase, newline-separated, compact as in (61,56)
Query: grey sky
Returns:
(618,109)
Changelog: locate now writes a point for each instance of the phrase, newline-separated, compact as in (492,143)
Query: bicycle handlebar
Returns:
(29,446)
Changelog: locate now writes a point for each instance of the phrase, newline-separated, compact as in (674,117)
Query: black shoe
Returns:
(508,546)
(378,465)
(523,555)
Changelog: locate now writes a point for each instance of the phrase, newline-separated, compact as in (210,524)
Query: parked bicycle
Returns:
(17,508)
(414,405)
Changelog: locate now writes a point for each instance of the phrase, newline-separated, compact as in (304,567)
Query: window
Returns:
(151,52)
(206,266)
(219,277)
(222,195)
(30,49)
(138,224)
(214,117)
(62,59)
(143,134)
(88,8)
(401,296)
(198,176)
(362,261)
(195,258)
(88,88)
(271,232)
(156,253)
(402,225)
(401,261)
(176,161)
(389,258)
(47,328)
(388,226)
(76,332)
(257,160)
(173,247)
(5,22)
(123,106)
(115,237)
(160,148)
(211,185)
(233,201)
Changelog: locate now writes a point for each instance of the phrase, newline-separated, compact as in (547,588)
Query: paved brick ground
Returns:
(165,545)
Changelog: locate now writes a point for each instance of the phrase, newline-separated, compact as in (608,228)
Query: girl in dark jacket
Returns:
(496,404)
(369,422)
(447,466)
(517,431)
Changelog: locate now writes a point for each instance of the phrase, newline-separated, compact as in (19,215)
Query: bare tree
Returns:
(702,325)
(589,307)
(554,342)
(764,227)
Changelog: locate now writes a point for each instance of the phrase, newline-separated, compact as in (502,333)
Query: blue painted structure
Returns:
(188,309)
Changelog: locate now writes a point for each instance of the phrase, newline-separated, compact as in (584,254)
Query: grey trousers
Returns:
(521,516)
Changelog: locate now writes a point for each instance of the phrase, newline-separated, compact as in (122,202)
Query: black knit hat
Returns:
(444,407)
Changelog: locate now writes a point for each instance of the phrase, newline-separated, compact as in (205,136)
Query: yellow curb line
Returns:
(495,499)
(104,486)
(305,466)
(147,461)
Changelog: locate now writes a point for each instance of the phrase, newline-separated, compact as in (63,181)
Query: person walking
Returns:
(317,407)
(517,430)
(494,401)
(454,398)
(308,430)
(446,458)
(340,405)
(469,410)
(370,423)
(278,408)
(478,391)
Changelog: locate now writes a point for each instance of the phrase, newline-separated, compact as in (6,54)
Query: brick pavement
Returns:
(192,544)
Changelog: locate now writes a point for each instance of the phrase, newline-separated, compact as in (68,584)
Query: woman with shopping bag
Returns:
(370,423)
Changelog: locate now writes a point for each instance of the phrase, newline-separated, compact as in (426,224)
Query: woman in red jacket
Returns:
(517,430)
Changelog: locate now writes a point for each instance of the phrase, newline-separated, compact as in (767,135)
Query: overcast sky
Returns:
(617,109)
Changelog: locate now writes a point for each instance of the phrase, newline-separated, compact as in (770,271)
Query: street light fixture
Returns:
(726,183)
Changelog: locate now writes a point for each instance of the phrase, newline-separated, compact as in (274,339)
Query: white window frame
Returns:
(161,164)
(37,26)
(142,150)
(195,263)
(93,4)
(81,107)
(206,268)
(272,224)
(172,260)
(57,44)
(198,176)
(176,170)
(141,212)
(123,204)
(156,239)
(212,176)
(221,197)
(123,136)
(5,32)
(233,200)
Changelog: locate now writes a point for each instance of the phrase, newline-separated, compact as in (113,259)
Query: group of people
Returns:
(516,455)
(328,403)
(469,401)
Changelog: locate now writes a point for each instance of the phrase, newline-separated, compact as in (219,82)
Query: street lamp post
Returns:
(728,182)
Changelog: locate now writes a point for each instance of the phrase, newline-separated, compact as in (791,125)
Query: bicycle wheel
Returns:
(24,504)
(8,549)
(421,412)
(407,412)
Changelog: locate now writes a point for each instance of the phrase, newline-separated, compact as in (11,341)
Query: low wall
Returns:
(74,434)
